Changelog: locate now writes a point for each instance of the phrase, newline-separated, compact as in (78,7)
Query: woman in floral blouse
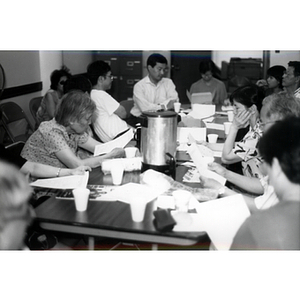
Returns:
(56,142)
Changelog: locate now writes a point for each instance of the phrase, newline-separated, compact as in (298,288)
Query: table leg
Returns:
(154,247)
(91,243)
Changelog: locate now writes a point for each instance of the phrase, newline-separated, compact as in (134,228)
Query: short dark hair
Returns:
(248,95)
(96,69)
(56,75)
(77,82)
(74,106)
(282,141)
(277,72)
(156,58)
(207,65)
(296,65)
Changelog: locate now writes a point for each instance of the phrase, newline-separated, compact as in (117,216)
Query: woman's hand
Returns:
(241,119)
(210,183)
(217,168)
(262,83)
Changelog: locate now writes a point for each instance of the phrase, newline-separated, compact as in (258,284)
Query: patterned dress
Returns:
(246,149)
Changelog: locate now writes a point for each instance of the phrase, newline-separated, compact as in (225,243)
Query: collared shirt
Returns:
(148,96)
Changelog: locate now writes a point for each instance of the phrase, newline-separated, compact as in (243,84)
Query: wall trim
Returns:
(21,90)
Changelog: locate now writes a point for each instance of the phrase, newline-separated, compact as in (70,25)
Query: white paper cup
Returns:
(182,200)
(230,115)
(212,138)
(117,170)
(81,196)
(137,208)
(227,127)
(130,152)
(177,106)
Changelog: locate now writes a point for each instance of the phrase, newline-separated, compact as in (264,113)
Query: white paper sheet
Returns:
(65,182)
(119,142)
(214,125)
(132,190)
(200,111)
(220,218)
(199,134)
(201,164)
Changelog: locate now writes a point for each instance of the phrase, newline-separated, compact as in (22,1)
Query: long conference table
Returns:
(112,219)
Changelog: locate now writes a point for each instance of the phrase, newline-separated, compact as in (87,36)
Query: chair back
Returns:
(34,105)
(16,122)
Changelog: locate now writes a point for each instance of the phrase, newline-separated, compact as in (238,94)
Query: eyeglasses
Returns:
(110,76)
(62,82)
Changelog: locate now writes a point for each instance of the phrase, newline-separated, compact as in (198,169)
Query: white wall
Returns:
(49,61)
(77,61)
(283,57)
(21,68)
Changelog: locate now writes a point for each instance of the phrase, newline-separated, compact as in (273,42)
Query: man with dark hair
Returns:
(277,228)
(154,92)
(209,84)
(108,119)
(291,79)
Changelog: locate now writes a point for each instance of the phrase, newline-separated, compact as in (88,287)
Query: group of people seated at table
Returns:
(268,150)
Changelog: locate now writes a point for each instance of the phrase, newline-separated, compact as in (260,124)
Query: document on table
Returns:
(65,182)
(214,125)
(201,163)
(132,190)
(220,218)
(183,133)
(119,142)
(200,111)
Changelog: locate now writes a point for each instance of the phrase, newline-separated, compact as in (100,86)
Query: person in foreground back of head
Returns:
(15,214)
(277,228)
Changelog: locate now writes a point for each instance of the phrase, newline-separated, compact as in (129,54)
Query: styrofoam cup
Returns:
(81,196)
(177,106)
(212,138)
(130,152)
(182,199)
(230,115)
(137,208)
(117,170)
(227,127)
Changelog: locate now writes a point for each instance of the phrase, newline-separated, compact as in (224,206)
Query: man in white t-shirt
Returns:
(154,92)
(108,118)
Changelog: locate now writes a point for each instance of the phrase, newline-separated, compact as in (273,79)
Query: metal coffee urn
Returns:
(158,141)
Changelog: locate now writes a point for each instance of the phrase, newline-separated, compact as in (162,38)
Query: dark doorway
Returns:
(184,70)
